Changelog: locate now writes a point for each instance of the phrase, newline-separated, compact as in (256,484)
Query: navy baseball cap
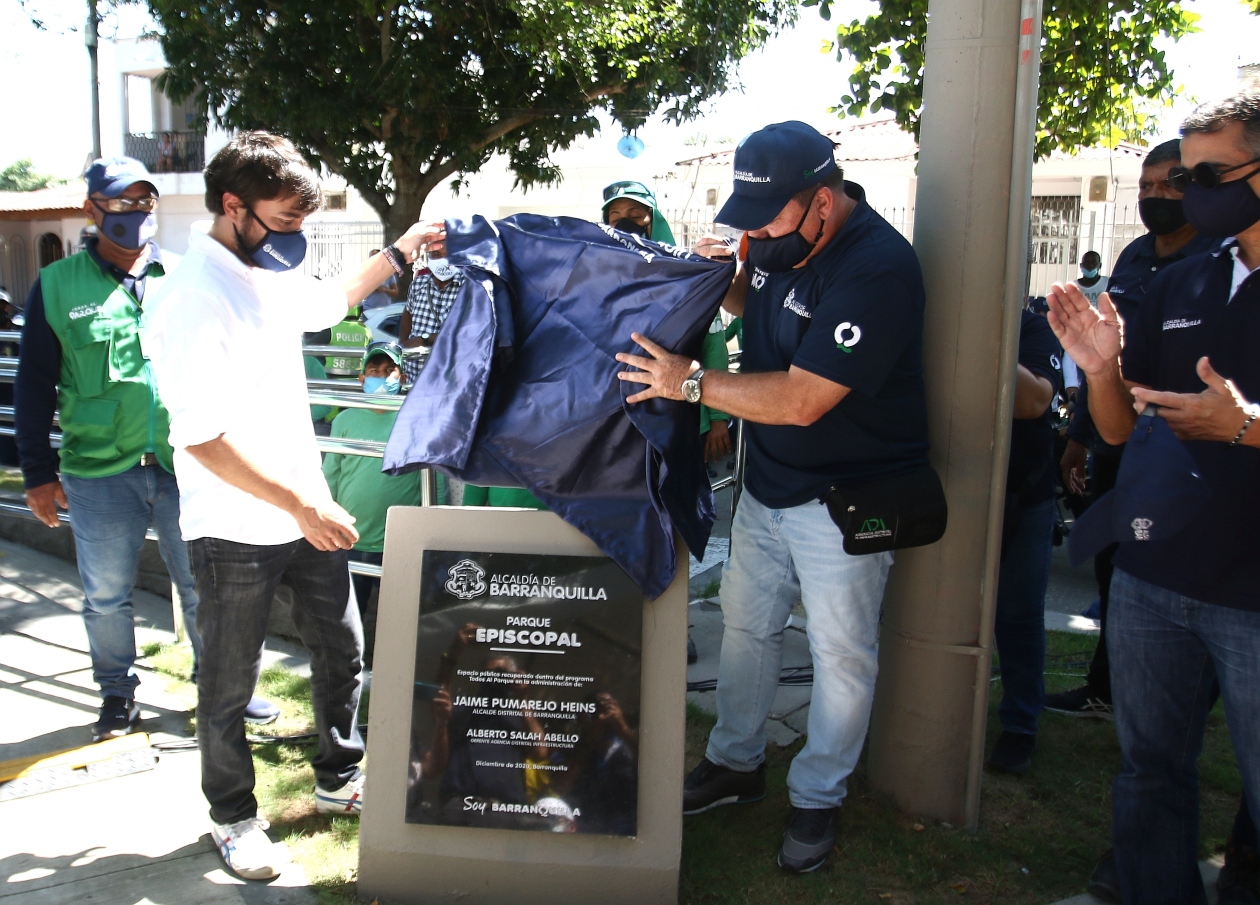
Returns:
(111,176)
(1158,493)
(771,166)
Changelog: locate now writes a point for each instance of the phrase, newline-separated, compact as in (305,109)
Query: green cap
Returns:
(392,350)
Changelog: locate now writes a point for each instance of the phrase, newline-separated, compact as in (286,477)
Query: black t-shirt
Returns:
(1187,314)
(1030,468)
(852,315)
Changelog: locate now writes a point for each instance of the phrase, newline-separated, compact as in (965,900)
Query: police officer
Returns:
(1185,610)
(1170,238)
(81,354)
(831,388)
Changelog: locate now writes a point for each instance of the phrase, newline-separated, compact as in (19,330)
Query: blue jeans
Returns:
(109,517)
(1020,626)
(1165,652)
(778,555)
(236,583)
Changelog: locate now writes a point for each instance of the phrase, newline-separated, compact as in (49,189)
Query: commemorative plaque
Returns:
(528,717)
(525,713)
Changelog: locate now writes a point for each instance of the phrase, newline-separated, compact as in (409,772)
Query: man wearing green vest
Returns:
(81,354)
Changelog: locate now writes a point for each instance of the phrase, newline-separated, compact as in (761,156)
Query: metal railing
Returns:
(167,152)
(340,394)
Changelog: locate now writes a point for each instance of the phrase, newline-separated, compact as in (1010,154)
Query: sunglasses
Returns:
(626,188)
(126,205)
(383,346)
(1205,175)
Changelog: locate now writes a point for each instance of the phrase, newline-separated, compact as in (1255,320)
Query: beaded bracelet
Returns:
(1253,412)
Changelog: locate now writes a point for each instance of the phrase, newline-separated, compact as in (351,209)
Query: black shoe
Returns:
(808,840)
(1104,883)
(118,717)
(1013,752)
(692,654)
(1083,701)
(1239,880)
(710,786)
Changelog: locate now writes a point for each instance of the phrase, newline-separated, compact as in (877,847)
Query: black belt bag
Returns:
(908,510)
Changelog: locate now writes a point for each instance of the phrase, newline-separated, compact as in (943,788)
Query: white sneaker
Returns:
(246,849)
(346,801)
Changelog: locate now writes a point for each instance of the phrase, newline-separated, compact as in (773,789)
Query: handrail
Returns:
(356,352)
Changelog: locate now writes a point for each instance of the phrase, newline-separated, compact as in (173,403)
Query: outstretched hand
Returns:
(430,237)
(663,373)
(1092,336)
(1215,414)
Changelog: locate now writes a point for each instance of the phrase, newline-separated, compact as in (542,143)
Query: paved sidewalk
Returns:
(142,838)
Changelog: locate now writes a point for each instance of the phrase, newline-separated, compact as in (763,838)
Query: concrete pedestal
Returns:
(412,863)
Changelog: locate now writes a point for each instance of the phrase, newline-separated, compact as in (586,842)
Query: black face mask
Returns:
(1162,215)
(626,225)
(781,253)
(1224,211)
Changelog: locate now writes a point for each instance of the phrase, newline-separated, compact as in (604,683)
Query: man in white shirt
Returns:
(224,338)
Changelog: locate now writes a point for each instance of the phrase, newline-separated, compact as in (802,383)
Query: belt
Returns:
(149,459)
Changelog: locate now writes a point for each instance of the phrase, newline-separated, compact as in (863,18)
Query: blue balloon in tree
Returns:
(630,146)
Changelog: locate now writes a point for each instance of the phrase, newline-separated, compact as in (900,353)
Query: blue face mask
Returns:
(276,251)
(131,230)
(386,386)
(1089,274)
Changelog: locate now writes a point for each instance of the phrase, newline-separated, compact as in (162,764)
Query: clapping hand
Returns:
(1215,414)
(1090,335)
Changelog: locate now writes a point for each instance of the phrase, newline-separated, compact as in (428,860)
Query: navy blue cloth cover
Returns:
(521,387)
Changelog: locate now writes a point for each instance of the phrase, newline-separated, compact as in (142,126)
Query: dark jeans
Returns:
(363,586)
(1167,653)
(1103,471)
(236,583)
(1020,624)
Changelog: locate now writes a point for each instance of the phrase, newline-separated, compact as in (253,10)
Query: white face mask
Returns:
(442,269)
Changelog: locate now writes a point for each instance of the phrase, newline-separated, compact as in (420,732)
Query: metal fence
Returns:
(1059,233)
(339,394)
(334,245)
(167,152)
(15,273)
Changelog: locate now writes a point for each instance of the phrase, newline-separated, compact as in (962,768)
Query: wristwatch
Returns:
(691,386)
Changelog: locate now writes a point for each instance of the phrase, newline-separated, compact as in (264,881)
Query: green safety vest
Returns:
(347,333)
(109,410)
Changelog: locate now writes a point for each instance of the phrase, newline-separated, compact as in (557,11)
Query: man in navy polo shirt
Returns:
(1185,611)
(831,389)
(1170,239)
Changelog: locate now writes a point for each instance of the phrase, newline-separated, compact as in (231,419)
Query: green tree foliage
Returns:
(20,176)
(1101,73)
(397,96)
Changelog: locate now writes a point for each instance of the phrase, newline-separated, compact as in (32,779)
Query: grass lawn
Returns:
(11,480)
(1039,838)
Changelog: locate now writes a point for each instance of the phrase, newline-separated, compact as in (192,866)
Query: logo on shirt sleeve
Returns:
(1177,323)
(847,336)
(1055,363)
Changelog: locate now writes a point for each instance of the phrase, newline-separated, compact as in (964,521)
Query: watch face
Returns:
(691,390)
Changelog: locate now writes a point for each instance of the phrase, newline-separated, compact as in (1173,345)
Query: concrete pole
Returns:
(971,235)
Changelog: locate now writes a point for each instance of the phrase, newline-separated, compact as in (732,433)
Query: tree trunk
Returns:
(409,195)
